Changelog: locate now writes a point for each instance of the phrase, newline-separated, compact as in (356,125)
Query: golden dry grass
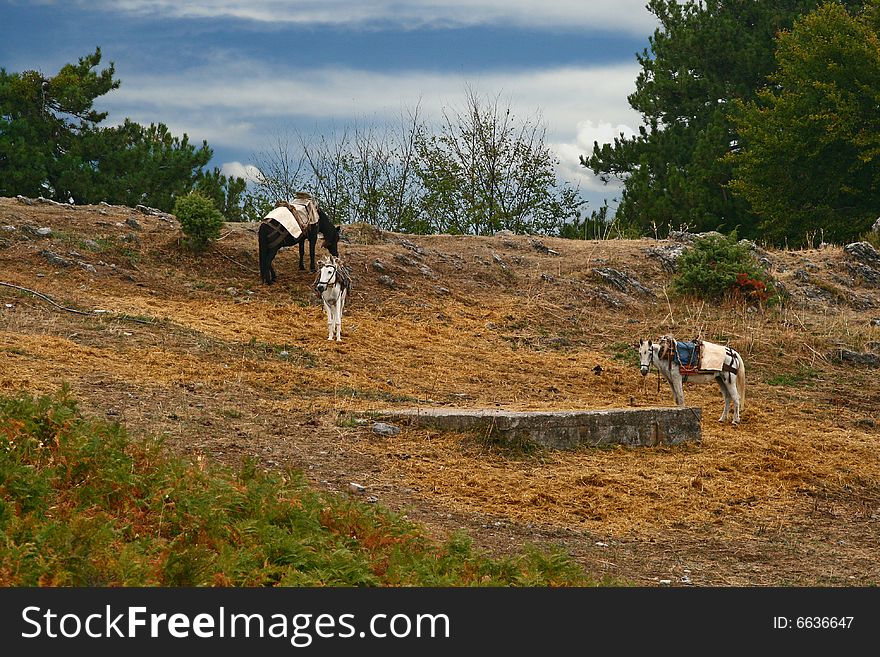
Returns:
(478,322)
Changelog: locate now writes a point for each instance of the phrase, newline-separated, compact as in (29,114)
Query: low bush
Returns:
(718,267)
(199,218)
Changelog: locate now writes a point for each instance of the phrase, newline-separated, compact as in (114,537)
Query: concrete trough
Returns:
(633,427)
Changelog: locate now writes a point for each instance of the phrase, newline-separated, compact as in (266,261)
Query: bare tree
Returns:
(486,171)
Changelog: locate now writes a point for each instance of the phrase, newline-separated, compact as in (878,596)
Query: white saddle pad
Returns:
(285,217)
(712,357)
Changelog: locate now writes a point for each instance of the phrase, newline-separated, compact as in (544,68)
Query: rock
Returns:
(412,247)
(667,255)
(621,281)
(875,321)
(7,229)
(864,253)
(44,232)
(384,429)
(143,209)
(543,248)
(55,259)
(92,245)
(378,266)
(505,233)
(497,258)
(89,268)
(855,358)
(356,488)
(133,223)
(386,280)
(25,200)
(231,291)
(876,227)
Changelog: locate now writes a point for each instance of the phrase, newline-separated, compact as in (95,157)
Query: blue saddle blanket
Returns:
(686,354)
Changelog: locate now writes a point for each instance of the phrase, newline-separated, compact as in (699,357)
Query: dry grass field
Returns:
(194,348)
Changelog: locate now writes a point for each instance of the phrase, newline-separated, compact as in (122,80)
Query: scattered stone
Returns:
(89,268)
(284,353)
(25,200)
(427,271)
(667,255)
(875,321)
(543,248)
(44,232)
(372,499)
(378,266)
(443,290)
(356,488)
(505,233)
(864,253)
(547,278)
(55,259)
(386,280)
(133,223)
(497,258)
(231,291)
(7,229)
(412,247)
(143,209)
(384,429)
(92,245)
(621,281)
(408,262)
(854,357)
(49,201)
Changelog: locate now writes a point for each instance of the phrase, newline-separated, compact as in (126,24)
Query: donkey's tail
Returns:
(741,384)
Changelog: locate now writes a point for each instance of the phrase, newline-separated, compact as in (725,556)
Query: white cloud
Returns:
(629,16)
(238,170)
(242,104)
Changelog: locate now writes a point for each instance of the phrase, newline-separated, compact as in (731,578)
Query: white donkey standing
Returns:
(332,284)
(730,374)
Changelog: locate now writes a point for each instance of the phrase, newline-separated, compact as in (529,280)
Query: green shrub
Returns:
(83,505)
(719,267)
(199,219)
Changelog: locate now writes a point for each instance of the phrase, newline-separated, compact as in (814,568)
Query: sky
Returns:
(243,74)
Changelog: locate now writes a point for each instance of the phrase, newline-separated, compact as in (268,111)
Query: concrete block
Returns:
(633,427)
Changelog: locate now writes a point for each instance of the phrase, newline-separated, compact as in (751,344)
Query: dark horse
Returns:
(271,236)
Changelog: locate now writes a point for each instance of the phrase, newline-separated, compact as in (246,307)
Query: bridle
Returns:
(647,368)
(322,285)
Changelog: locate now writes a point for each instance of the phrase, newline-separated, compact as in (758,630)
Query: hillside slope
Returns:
(196,349)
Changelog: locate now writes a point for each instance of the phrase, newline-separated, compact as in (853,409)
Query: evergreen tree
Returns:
(41,119)
(52,145)
(809,161)
(704,56)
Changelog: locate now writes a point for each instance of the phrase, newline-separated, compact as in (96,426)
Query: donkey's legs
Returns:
(677,392)
(329,310)
(339,301)
(313,240)
(734,397)
(302,256)
(725,392)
